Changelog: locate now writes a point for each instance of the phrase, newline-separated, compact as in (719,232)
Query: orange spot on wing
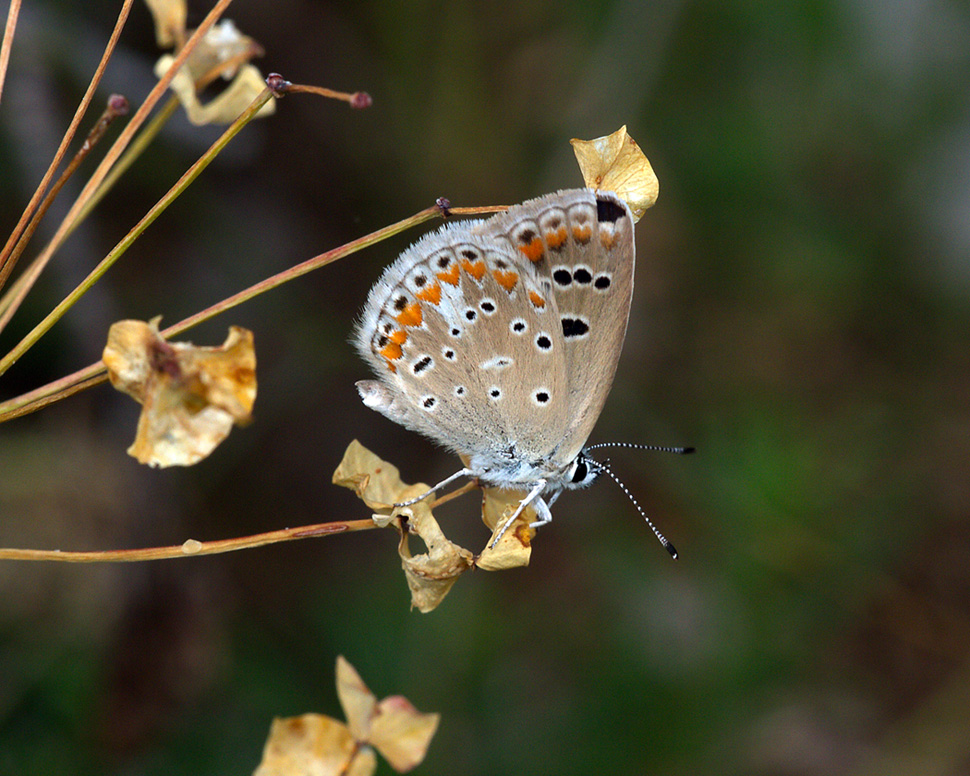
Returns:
(474,268)
(607,238)
(400,336)
(391,351)
(555,239)
(451,276)
(582,234)
(536,300)
(534,250)
(506,278)
(430,294)
(410,315)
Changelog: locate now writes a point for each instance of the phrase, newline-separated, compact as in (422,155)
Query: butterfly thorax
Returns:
(511,471)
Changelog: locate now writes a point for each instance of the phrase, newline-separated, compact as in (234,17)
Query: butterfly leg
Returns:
(445,481)
(540,506)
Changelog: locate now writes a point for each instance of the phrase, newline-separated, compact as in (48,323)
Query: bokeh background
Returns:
(801,316)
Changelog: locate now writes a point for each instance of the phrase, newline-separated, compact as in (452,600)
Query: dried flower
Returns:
(190,396)
(616,163)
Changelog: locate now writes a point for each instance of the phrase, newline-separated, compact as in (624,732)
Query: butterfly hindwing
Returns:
(580,243)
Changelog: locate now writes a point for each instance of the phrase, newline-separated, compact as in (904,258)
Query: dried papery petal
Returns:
(169,17)
(358,702)
(402,733)
(376,482)
(314,745)
(514,549)
(616,163)
(230,102)
(430,575)
(222,43)
(191,396)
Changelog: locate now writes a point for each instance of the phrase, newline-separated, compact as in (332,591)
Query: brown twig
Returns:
(94,373)
(71,130)
(6,46)
(10,304)
(117,106)
(192,547)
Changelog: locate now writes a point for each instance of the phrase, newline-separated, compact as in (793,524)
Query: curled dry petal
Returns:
(223,43)
(430,575)
(616,163)
(314,745)
(377,483)
(169,17)
(514,549)
(392,726)
(402,733)
(190,396)
(358,702)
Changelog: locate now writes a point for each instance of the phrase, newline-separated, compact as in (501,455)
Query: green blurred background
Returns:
(801,316)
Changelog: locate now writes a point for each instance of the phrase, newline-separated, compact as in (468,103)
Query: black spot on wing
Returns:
(608,210)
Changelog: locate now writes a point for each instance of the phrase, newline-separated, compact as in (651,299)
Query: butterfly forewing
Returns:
(464,332)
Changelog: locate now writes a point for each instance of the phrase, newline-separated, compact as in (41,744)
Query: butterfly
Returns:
(499,339)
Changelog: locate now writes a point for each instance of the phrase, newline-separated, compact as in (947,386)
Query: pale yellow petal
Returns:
(191,396)
(227,105)
(310,745)
(616,163)
(514,549)
(169,17)
(402,733)
(358,702)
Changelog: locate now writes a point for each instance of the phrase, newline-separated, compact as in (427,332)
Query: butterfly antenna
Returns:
(632,446)
(602,466)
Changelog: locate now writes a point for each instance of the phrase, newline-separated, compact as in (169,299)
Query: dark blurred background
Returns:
(801,316)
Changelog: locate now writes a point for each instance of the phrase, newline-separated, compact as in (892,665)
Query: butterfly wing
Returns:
(464,336)
(580,243)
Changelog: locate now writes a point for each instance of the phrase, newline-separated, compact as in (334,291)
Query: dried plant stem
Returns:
(71,130)
(183,183)
(192,548)
(151,130)
(137,147)
(302,269)
(10,303)
(13,13)
(117,106)
(94,374)
(355,99)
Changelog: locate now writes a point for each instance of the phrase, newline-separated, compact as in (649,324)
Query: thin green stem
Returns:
(68,136)
(183,183)
(12,301)
(117,106)
(94,374)
(131,154)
